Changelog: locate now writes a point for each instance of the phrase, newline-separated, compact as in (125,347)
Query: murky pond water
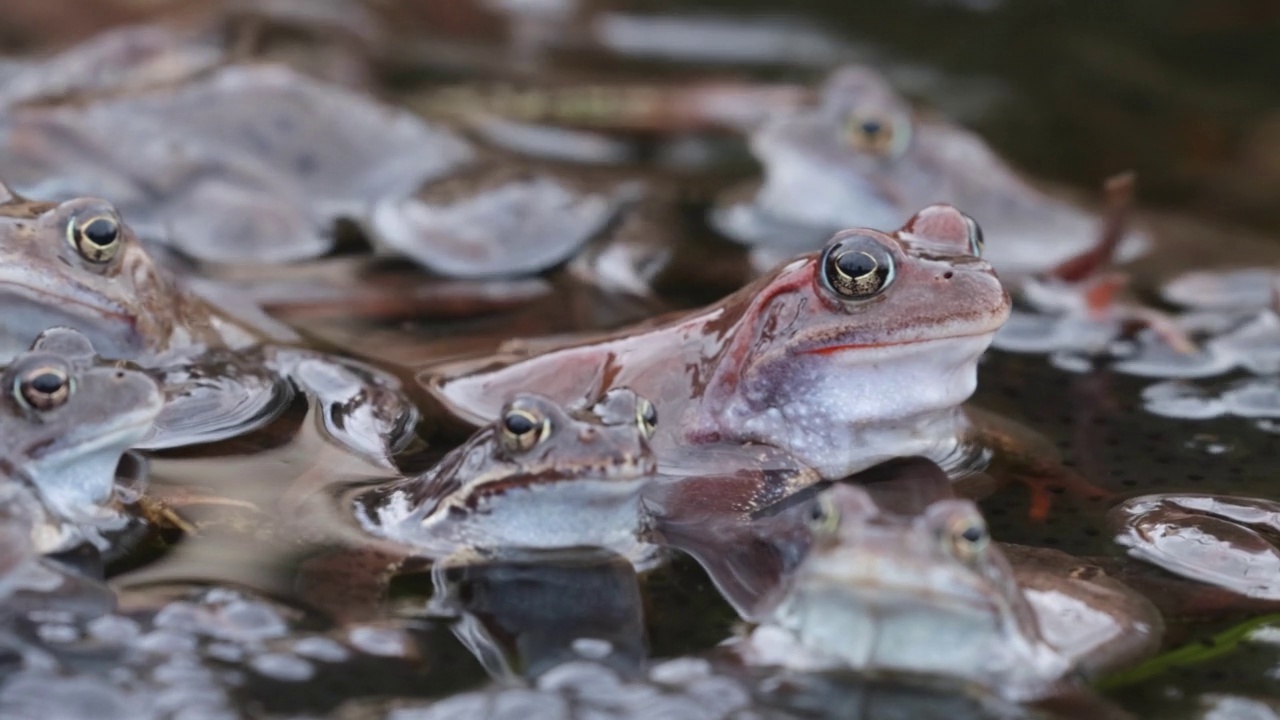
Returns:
(267,593)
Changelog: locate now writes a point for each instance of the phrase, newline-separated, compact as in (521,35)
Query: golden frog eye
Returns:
(877,134)
(522,429)
(966,537)
(43,388)
(646,417)
(97,239)
(857,267)
(822,517)
(976,241)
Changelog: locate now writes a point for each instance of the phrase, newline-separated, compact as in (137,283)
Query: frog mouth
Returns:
(846,347)
(83,302)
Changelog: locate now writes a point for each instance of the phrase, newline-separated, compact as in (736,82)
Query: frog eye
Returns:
(857,267)
(877,134)
(43,388)
(646,417)
(966,536)
(96,239)
(976,242)
(822,516)
(522,429)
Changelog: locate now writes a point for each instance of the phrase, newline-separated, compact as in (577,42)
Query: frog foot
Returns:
(1043,487)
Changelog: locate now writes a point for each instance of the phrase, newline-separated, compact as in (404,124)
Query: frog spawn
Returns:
(196,652)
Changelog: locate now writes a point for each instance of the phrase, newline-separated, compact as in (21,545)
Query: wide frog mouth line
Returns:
(870,582)
(846,347)
(12,282)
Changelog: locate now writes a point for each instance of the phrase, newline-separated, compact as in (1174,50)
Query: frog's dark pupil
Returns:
(650,415)
(972,534)
(855,264)
(519,423)
(101,232)
(871,128)
(47,383)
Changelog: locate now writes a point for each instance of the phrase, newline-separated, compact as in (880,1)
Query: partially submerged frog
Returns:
(66,425)
(540,477)
(835,361)
(246,163)
(931,595)
(76,264)
(863,157)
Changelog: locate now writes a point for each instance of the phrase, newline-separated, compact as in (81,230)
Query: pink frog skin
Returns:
(838,360)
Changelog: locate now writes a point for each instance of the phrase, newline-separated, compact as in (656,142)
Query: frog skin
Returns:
(931,595)
(66,426)
(862,157)
(839,359)
(226,366)
(540,477)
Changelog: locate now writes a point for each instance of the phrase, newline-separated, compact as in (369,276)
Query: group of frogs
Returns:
(805,438)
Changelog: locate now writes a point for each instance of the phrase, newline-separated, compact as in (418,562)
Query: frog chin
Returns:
(842,412)
(881,628)
(79,475)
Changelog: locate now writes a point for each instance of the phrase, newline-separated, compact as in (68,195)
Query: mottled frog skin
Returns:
(840,359)
(540,477)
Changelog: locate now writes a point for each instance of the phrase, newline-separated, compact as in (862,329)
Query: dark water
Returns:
(1183,92)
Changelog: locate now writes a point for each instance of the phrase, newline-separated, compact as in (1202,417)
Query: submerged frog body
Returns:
(66,425)
(226,368)
(862,157)
(840,359)
(540,477)
(931,595)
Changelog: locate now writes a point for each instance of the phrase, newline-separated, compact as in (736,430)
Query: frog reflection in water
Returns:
(540,477)
(836,361)
(66,426)
(76,264)
(862,157)
(930,594)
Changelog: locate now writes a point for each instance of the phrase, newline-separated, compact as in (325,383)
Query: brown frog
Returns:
(862,156)
(76,264)
(835,361)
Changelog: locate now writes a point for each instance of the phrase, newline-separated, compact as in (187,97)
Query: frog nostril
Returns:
(947,275)
(587,435)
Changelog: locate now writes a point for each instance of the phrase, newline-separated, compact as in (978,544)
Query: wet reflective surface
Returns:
(312,526)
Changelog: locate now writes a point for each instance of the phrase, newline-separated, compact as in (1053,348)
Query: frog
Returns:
(267,163)
(68,424)
(540,477)
(863,156)
(257,163)
(931,595)
(226,366)
(544,479)
(833,362)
